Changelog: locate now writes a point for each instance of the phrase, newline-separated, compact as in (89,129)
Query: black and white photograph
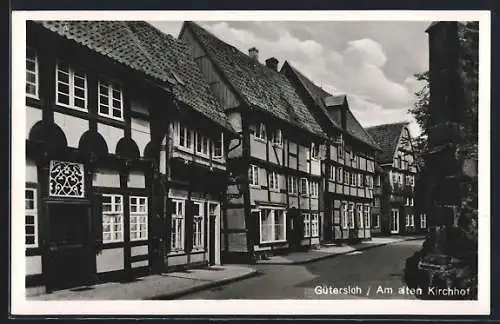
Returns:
(257,163)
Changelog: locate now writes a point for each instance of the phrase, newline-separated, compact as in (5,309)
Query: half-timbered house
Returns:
(275,182)
(349,165)
(398,213)
(102,98)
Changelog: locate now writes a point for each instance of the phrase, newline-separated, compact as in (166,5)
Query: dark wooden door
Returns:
(69,260)
(296,229)
(211,237)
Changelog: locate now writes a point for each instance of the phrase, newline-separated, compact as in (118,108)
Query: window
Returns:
(314,225)
(112,218)
(198,226)
(274,181)
(423,220)
(292,184)
(314,188)
(354,178)
(314,151)
(366,214)
(66,179)
(351,215)
(110,100)
(407,201)
(412,220)
(261,131)
(340,175)
(376,202)
(31,218)
(345,219)
(408,220)
(71,87)
(411,202)
(219,146)
(376,220)
(177,226)
(307,225)
(394,178)
(346,177)
(272,225)
(359,213)
(202,144)
(377,180)
(277,137)
(184,136)
(304,186)
(333,174)
(340,150)
(31,73)
(361,180)
(253,176)
(138,207)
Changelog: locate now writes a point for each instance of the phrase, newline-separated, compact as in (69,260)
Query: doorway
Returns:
(68,259)
(296,229)
(394,221)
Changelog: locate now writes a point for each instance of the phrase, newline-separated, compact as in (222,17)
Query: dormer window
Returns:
(71,87)
(110,100)
(277,137)
(31,73)
(314,151)
(261,132)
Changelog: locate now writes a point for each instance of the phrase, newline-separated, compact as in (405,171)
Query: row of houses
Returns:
(149,153)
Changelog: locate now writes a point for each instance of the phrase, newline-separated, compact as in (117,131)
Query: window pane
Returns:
(79,103)
(117,113)
(80,93)
(30,240)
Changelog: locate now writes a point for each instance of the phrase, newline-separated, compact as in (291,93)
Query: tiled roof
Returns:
(329,104)
(387,137)
(257,85)
(142,47)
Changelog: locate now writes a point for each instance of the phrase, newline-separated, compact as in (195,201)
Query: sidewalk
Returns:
(324,252)
(160,286)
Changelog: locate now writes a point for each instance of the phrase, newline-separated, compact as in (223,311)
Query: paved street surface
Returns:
(360,272)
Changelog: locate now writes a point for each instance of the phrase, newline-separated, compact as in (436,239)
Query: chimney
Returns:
(254,53)
(272,63)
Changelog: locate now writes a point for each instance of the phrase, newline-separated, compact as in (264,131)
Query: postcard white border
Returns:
(21,306)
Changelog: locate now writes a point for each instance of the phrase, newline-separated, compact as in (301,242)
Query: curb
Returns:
(340,253)
(204,286)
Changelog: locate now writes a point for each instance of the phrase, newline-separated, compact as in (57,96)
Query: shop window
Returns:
(272,225)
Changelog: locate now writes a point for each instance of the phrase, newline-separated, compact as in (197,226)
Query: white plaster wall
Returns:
(139,250)
(106,178)
(33,115)
(111,135)
(31,171)
(136,180)
(143,263)
(33,265)
(110,260)
(73,127)
(141,133)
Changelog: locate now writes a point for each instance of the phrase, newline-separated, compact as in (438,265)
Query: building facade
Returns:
(398,172)
(274,187)
(348,168)
(98,170)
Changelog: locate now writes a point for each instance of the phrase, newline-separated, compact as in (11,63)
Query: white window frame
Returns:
(292,184)
(110,86)
(187,145)
(345,215)
(277,137)
(221,155)
(423,220)
(273,225)
(114,212)
(360,215)
(407,220)
(340,175)
(36,73)
(314,225)
(34,213)
(377,180)
(261,131)
(142,229)
(352,217)
(302,193)
(314,188)
(412,202)
(377,217)
(254,175)
(71,87)
(178,216)
(394,220)
(200,140)
(307,224)
(199,236)
(274,183)
(412,220)
(314,151)
(333,174)
(366,214)
(347,177)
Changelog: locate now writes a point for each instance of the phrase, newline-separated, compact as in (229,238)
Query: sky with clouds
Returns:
(372,62)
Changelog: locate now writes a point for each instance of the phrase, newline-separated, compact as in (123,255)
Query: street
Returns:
(375,273)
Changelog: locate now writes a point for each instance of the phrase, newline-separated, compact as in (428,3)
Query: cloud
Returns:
(365,51)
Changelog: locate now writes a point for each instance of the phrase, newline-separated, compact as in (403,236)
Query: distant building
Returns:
(349,165)
(396,212)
